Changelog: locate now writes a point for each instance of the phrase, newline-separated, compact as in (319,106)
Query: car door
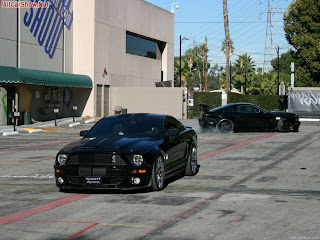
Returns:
(175,146)
(252,118)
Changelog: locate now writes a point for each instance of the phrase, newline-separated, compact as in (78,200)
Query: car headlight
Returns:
(137,160)
(62,158)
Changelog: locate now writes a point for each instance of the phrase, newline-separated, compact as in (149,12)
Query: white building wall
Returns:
(158,100)
(83,45)
(112,20)
(8,37)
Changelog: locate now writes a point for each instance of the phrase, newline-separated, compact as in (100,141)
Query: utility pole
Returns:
(230,76)
(226,29)
(206,70)
(180,74)
(245,79)
(268,49)
(278,50)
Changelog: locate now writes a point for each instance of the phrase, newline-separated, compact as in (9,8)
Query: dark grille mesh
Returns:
(95,159)
(104,181)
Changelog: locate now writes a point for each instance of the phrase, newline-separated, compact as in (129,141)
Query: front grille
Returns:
(95,159)
(104,181)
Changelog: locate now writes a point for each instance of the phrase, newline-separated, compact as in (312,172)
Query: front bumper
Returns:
(102,177)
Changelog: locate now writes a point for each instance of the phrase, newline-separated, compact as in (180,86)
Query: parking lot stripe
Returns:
(28,160)
(210,154)
(23,162)
(37,145)
(77,234)
(42,208)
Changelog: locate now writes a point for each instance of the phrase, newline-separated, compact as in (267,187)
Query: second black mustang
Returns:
(128,151)
(247,117)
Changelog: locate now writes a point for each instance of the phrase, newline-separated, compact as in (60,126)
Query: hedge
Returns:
(268,102)
(213,100)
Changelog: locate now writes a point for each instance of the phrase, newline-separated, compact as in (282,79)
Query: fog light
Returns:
(135,180)
(138,171)
(60,180)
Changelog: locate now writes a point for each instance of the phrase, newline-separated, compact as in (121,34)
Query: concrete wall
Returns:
(34,30)
(83,45)
(8,37)
(96,40)
(150,100)
(112,20)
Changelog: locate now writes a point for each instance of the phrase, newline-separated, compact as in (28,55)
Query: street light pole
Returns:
(180,71)
(180,63)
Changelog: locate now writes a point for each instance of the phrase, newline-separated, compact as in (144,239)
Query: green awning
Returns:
(36,77)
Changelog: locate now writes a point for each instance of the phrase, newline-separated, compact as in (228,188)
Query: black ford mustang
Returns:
(247,117)
(128,151)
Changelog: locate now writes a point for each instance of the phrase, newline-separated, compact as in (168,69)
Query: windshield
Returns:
(127,127)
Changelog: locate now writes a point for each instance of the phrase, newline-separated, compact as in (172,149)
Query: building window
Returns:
(141,46)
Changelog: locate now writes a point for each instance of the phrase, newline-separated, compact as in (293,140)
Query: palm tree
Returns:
(227,44)
(244,68)
(184,72)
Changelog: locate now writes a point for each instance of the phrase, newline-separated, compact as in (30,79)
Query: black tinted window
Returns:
(170,123)
(248,109)
(127,127)
(231,109)
(141,47)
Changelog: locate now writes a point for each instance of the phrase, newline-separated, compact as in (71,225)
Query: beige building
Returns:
(50,60)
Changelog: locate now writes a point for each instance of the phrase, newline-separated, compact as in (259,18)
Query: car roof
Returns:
(233,104)
(237,104)
(145,115)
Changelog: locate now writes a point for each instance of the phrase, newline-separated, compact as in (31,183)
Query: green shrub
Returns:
(213,100)
(268,102)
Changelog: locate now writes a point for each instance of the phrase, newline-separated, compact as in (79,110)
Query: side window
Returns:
(169,123)
(231,109)
(172,123)
(248,109)
(181,127)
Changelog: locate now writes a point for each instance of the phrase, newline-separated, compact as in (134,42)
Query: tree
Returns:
(184,71)
(302,27)
(224,47)
(244,70)
(195,57)
(227,44)
(214,77)
(285,62)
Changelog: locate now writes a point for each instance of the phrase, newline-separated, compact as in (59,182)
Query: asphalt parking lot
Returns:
(251,185)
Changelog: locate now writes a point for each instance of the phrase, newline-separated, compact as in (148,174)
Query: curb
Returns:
(74,124)
(309,120)
(10,133)
(35,131)
(90,120)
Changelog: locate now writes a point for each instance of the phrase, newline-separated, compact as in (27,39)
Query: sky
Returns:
(248,24)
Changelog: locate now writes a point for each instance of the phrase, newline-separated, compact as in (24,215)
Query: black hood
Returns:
(115,144)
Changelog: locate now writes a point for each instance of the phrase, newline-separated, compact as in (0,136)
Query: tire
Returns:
(284,125)
(225,126)
(158,174)
(192,167)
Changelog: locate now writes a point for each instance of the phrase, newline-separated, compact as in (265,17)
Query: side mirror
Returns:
(83,133)
(260,112)
(172,132)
